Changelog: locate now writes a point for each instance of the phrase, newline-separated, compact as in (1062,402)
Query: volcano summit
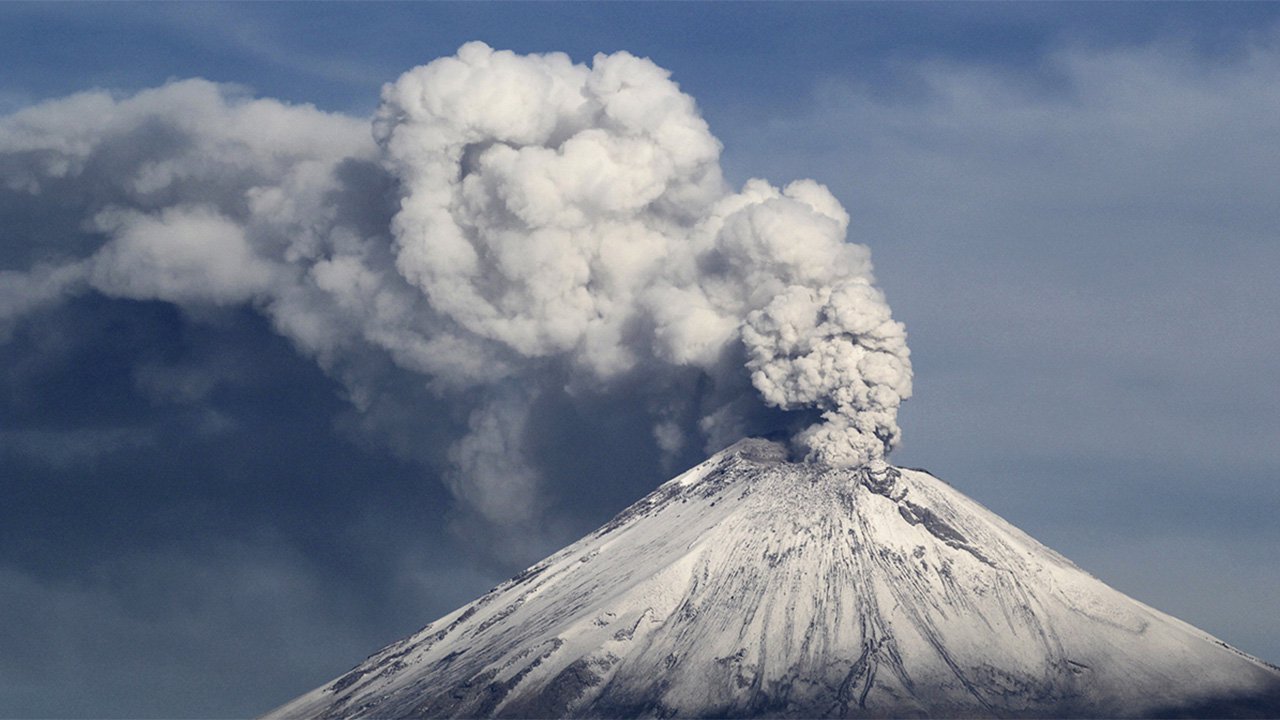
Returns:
(751,586)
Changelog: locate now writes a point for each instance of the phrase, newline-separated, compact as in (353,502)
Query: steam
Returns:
(517,225)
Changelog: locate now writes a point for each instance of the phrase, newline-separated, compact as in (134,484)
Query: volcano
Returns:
(752,586)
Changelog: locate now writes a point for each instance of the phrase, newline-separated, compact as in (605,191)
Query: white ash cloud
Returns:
(579,212)
(513,226)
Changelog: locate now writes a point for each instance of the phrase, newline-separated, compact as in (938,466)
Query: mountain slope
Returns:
(750,586)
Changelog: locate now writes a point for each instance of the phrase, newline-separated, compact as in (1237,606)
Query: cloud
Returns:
(23,292)
(166,631)
(1081,248)
(579,213)
(64,450)
(514,228)
(182,254)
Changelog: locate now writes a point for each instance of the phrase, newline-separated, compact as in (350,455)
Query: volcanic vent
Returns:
(751,586)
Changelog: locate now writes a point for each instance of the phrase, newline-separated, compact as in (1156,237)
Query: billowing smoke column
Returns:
(562,210)
(516,220)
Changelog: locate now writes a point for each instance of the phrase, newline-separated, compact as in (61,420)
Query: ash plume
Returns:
(514,228)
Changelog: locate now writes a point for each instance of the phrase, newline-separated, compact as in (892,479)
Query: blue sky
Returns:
(1071,207)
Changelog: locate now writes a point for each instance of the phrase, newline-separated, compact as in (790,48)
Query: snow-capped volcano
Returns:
(752,586)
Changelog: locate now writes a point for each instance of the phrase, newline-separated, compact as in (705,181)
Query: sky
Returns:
(1071,207)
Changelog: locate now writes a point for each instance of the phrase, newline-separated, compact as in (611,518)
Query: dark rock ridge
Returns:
(750,586)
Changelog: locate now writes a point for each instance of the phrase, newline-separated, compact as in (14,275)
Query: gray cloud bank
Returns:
(512,225)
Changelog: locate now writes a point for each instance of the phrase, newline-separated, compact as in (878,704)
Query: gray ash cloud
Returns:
(521,234)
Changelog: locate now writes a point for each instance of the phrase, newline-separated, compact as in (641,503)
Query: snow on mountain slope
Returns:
(750,586)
